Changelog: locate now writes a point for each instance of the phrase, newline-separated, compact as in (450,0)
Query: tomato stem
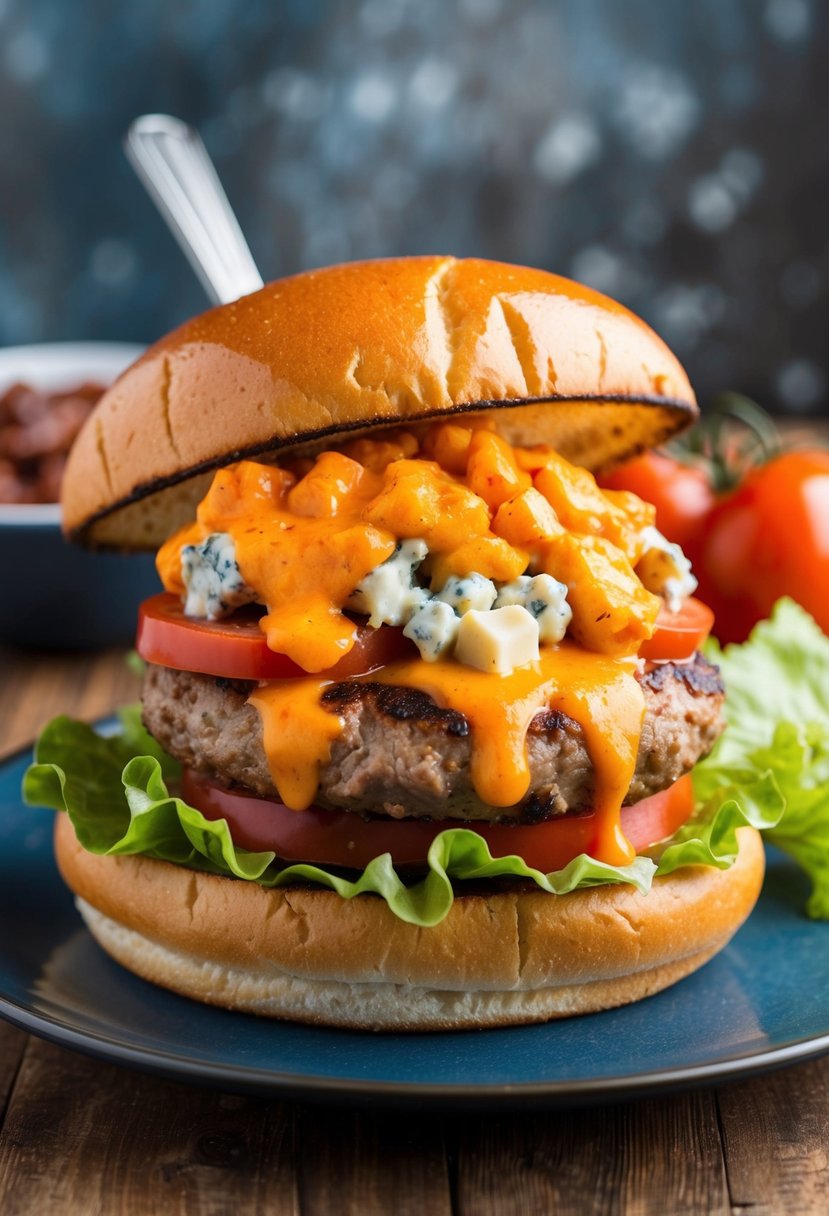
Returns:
(734,436)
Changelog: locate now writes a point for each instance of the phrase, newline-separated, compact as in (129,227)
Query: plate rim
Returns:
(273,1083)
(304,1086)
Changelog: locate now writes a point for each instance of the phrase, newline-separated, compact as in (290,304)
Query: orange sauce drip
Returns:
(297,734)
(304,543)
(599,693)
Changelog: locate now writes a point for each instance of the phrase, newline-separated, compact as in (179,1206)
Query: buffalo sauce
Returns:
(599,693)
(297,734)
(304,540)
(303,545)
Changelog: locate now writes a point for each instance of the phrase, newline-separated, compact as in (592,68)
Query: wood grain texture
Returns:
(83,1137)
(776,1139)
(36,687)
(654,1157)
(12,1045)
(372,1162)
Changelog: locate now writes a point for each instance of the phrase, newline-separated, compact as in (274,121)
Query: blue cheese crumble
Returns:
(499,640)
(474,592)
(545,598)
(433,629)
(212,578)
(465,616)
(389,595)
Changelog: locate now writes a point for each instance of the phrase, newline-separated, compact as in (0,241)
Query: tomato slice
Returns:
(679,634)
(341,838)
(235,647)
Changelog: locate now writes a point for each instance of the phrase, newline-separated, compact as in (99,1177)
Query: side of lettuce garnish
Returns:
(769,770)
(777,741)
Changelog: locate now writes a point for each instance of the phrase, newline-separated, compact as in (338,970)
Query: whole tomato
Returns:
(766,539)
(681,493)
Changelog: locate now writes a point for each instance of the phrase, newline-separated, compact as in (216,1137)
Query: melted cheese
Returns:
(599,693)
(297,734)
(303,544)
(305,538)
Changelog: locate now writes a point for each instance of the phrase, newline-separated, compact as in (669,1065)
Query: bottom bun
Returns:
(506,957)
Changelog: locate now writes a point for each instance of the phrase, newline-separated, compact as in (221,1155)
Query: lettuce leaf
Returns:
(777,741)
(115,791)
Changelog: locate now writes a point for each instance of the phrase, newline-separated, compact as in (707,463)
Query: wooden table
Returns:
(81,1136)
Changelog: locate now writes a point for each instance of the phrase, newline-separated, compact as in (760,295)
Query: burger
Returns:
(421,700)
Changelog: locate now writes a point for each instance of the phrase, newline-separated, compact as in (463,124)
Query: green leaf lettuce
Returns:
(777,710)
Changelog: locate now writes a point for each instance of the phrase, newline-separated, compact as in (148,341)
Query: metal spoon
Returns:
(172,162)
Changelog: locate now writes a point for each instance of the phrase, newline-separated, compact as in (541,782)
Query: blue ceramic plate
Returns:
(763,1002)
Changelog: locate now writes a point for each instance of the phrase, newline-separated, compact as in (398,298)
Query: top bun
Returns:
(361,346)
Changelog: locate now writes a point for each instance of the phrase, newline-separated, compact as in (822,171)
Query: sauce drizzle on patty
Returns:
(600,693)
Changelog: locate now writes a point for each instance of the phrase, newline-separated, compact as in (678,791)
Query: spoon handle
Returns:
(172,162)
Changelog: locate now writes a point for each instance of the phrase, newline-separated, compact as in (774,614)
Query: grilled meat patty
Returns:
(400,754)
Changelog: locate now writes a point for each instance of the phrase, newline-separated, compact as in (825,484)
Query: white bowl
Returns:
(56,595)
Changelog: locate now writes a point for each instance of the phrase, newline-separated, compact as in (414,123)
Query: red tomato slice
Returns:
(679,634)
(341,838)
(235,647)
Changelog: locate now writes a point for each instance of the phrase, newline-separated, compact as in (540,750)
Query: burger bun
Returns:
(511,955)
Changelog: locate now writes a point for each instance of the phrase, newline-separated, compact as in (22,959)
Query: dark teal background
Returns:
(672,153)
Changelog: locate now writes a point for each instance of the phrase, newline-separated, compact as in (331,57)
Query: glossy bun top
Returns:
(361,346)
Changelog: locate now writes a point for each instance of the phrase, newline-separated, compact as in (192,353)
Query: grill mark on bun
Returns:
(436,337)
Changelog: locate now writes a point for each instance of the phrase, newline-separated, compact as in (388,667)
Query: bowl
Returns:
(56,595)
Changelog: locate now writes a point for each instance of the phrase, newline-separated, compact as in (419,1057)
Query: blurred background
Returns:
(672,154)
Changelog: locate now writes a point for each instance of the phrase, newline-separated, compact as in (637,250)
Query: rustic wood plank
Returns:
(35,687)
(776,1140)
(85,1137)
(12,1045)
(655,1157)
(372,1163)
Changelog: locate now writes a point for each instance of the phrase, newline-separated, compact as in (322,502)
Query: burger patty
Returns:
(400,754)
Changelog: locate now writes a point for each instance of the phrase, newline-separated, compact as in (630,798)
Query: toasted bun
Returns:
(306,954)
(356,347)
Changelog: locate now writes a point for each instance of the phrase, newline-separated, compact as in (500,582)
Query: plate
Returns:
(762,1002)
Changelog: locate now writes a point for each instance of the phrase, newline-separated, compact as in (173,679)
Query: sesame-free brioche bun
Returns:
(505,957)
(360,346)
